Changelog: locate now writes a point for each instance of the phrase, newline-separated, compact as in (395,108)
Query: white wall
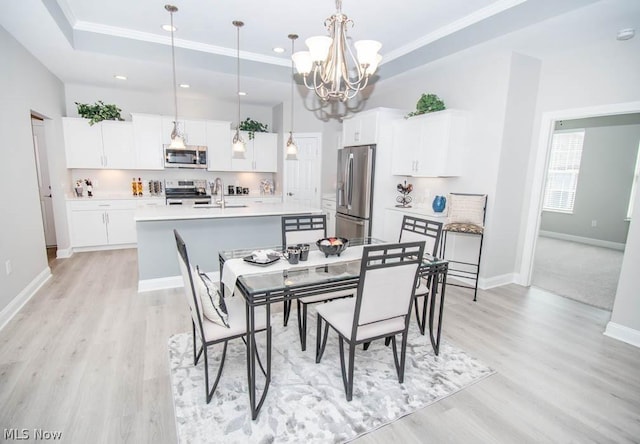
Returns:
(27,87)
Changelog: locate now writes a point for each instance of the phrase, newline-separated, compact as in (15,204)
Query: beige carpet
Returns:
(581,272)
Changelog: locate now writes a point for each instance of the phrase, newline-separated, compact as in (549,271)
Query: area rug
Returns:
(306,401)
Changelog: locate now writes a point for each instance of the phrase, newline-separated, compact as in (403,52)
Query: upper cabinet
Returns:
(139,144)
(361,129)
(261,153)
(107,144)
(147,134)
(430,145)
(218,146)
(193,131)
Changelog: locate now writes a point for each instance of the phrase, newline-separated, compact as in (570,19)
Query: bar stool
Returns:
(466,216)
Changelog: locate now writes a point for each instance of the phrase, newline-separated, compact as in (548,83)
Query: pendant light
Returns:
(176,138)
(292,148)
(238,148)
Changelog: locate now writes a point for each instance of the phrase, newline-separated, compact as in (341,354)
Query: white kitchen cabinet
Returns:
(361,129)
(265,152)
(118,145)
(329,208)
(102,222)
(107,144)
(218,146)
(147,135)
(261,153)
(194,131)
(430,145)
(82,143)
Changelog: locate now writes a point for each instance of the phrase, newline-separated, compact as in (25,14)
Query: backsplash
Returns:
(119,181)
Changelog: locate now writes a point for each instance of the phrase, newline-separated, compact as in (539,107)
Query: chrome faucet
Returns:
(220,188)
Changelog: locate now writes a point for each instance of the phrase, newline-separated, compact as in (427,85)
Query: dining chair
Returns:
(429,231)
(466,214)
(207,331)
(301,229)
(381,308)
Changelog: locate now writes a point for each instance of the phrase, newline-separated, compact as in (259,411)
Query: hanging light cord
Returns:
(293,38)
(173,59)
(238,25)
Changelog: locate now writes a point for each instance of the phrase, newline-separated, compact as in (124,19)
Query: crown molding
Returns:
(115,31)
(451,28)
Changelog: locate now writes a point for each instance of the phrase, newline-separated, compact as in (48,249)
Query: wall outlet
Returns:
(7,266)
(594,223)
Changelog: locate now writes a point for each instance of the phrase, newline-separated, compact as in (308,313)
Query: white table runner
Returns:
(233,268)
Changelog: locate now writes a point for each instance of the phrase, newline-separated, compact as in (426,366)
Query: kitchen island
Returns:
(206,231)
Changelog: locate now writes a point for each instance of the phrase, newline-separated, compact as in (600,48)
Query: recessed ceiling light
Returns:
(278,50)
(169,28)
(119,77)
(185,85)
(242,93)
(626,34)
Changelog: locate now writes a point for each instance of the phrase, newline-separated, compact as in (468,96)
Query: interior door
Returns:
(302,176)
(44,184)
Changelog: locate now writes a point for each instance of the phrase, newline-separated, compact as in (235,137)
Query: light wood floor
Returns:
(88,356)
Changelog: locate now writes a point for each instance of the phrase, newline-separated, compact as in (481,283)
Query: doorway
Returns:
(548,123)
(44,186)
(301,181)
(585,220)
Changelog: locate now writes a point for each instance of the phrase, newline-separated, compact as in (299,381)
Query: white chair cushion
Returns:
(213,304)
(339,314)
(466,209)
(237,321)
(422,289)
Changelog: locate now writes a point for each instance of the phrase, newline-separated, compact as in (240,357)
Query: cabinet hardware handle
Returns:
(107,214)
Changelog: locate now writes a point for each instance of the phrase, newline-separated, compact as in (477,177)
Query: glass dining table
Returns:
(262,286)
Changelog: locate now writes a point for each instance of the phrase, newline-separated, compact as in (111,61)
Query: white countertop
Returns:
(179,212)
(112,196)
(421,211)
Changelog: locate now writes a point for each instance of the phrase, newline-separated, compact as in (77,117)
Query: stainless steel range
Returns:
(186,192)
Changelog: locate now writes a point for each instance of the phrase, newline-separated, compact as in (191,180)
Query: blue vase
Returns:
(439,203)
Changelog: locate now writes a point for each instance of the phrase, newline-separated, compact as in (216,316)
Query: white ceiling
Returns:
(89,41)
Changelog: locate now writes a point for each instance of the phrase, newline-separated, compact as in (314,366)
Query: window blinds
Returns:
(563,169)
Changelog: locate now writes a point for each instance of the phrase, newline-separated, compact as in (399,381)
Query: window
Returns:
(634,186)
(562,175)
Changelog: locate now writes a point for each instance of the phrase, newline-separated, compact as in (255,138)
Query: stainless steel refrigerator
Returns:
(354,198)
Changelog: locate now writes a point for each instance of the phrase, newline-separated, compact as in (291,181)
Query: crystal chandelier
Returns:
(292,148)
(176,138)
(238,149)
(336,74)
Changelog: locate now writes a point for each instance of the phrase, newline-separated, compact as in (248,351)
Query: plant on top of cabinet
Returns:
(427,103)
(252,126)
(98,112)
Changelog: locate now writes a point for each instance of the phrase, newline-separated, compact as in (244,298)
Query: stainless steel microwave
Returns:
(190,157)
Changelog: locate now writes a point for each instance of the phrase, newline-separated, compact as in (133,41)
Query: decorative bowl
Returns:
(332,245)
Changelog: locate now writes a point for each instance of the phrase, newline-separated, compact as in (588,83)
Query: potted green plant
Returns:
(252,127)
(98,112)
(427,103)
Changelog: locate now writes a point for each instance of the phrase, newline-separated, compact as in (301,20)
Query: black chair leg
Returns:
(321,341)
(366,345)
(302,323)
(206,372)
(287,312)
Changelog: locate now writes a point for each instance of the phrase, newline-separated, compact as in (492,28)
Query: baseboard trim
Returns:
(23,297)
(168,282)
(497,281)
(584,240)
(103,248)
(622,333)
(64,253)
(159,284)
